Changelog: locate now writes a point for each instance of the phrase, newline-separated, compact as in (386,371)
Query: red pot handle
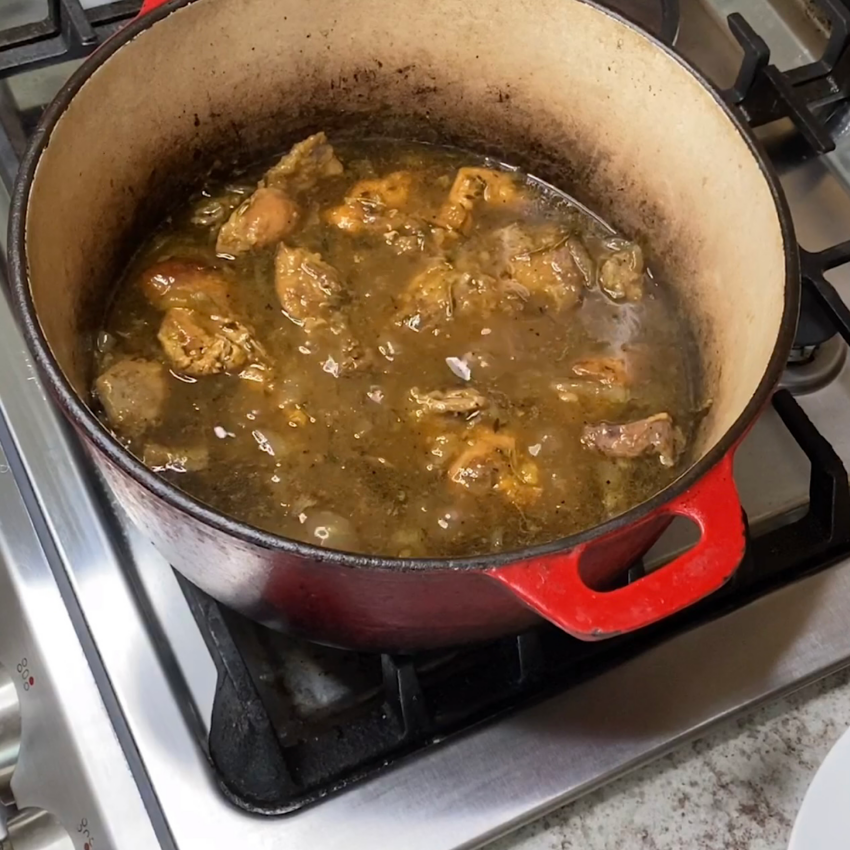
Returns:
(554,588)
(149,6)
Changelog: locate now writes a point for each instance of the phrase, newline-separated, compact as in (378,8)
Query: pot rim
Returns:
(116,454)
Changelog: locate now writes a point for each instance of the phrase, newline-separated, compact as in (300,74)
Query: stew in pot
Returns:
(398,349)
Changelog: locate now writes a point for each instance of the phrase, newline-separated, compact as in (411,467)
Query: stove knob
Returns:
(10,734)
(35,829)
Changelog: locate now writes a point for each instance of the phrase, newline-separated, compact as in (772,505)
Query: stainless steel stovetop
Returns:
(106,684)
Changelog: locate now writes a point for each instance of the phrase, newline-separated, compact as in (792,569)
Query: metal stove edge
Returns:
(63,766)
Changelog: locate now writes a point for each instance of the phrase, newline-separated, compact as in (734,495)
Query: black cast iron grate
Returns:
(805,94)
(67,31)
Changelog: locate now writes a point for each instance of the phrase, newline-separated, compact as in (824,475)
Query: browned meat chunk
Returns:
(604,370)
(392,191)
(655,434)
(461,400)
(574,389)
(198,345)
(133,394)
(490,461)
(533,262)
(305,165)
(265,218)
(552,274)
(605,378)
(308,288)
(482,295)
(164,458)
(407,236)
(311,294)
(429,297)
(472,186)
(358,217)
(210,211)
(621,274)
(379,206)
(542,264)
(440,291)
(179,283)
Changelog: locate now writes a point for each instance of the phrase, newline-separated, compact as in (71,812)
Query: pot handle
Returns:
(553,585)
(149,6)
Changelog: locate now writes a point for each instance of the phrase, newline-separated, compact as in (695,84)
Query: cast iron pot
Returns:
(569,91)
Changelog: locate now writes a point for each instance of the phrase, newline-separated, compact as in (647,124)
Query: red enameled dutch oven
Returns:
(563,88)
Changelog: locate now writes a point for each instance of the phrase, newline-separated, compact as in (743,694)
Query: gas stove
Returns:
(136,712)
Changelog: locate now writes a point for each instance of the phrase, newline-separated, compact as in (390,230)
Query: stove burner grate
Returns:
(765,94)
(813,366)
(67,32)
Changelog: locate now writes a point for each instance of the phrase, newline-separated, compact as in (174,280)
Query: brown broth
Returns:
(343,460)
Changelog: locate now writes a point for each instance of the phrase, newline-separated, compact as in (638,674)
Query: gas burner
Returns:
(812,367)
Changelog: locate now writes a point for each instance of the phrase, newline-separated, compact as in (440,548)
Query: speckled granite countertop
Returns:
(737,789)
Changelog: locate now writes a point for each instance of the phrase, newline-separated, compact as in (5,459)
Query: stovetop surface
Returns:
(158,678)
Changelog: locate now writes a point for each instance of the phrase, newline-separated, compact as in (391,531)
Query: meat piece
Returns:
(210,211)
(355,217)
(402,233)
(490,462)
(544,266)
(655,434)
(621,274)
(407,236)
(441,291)
(535,262)
(481,294)
(573,389)
(304,166)
(551,274)
(472,186)
(308,288)
(164,458)
(429,297)
(459,400)
(604,370)
(265,218)
(259,376)
(311,294)
(133,394)
(605,378)
(358,217)
(198,345)
(377,206)
(180,283)
(392,191)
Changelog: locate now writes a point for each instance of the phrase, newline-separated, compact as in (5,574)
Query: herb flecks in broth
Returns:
(398,349)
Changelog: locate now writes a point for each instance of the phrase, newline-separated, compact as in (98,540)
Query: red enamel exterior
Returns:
(558,587)
(149,6)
